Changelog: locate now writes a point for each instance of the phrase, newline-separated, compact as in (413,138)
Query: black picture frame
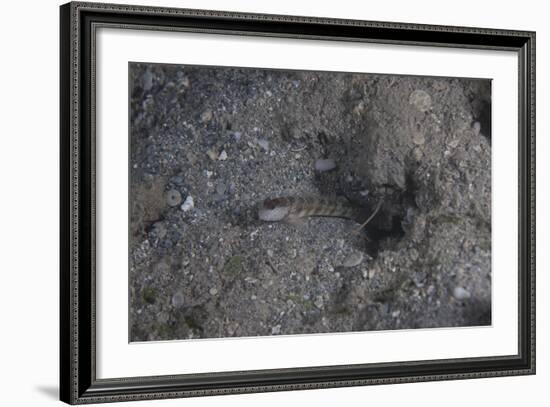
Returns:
(78,382)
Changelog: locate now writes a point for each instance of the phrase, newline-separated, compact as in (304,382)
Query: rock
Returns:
(188,204)
(220,188)
(276,330)
(421,100)
(192,158)
(219,197)
(417,154)
(476,127)
(212,154)
(178,179)
(325,164)
(184,81)
(454,143)
(173,197)
(374,270)
(460,293)
(319,303)
(213,291)
(233,266)
(263,143)
(419,139)
(159,229)
(354,259)
(206,116)
(163,317)
(223,156)
(147,80)
(178,299)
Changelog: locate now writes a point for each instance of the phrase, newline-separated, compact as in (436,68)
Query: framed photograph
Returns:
(256,203)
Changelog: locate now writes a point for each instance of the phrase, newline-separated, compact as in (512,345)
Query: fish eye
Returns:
(269,204)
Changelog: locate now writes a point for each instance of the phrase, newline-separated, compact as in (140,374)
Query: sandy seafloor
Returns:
(231,137)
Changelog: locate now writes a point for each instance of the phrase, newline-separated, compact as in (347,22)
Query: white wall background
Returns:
(29,163)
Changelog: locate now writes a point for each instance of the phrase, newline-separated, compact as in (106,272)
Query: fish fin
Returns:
(294,220)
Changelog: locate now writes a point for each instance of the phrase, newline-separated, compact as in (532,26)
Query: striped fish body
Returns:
(293,209)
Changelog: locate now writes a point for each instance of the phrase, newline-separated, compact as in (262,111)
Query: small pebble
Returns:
(178,299)
(421,100)
(188,204)
(263,143)
(184,82)
(213,155)
(147,80)
(460,293)
(375,269)
(270,252)
(354,259)
(160,230)
(220,188)
(419,139)
(454,143)
(219,197)
(319,303)
(476,127)
(206,116)
(276,330)
(326,164)
(417,154)
(237,135)
(173,197)
(223,156)
(213,291)
(191,158)
(178,179)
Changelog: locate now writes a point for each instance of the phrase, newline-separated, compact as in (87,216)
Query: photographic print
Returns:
(305,184)
(282,202)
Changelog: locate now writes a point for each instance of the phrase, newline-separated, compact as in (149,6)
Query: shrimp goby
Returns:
(292,209)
